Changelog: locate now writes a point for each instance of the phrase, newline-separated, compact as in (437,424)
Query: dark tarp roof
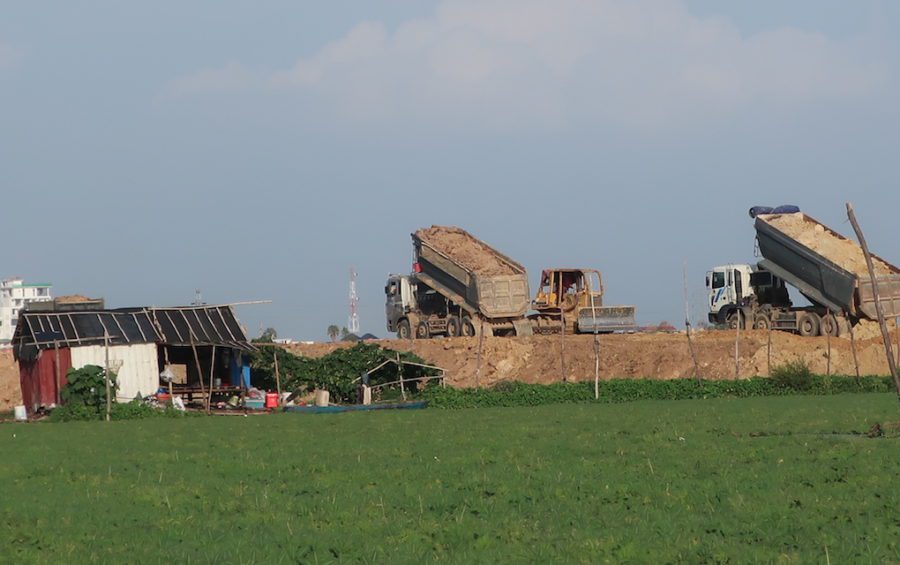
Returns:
(197,325)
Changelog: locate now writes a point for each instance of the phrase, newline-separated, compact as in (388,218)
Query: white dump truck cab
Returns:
(740,287)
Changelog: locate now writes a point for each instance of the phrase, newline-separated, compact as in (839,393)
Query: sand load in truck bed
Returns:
(842,252)
(468,251)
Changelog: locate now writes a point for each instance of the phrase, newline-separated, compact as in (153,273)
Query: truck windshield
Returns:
(718,279)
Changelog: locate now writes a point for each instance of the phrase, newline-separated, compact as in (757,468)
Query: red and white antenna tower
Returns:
(353,322)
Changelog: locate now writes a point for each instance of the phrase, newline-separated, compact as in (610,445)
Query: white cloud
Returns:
(549,63)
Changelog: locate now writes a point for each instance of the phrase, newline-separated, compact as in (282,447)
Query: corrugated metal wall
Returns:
(139,373)
(38,378)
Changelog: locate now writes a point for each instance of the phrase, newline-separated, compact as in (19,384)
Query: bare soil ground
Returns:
(467,250)
(539,359)
(10,394)
(844,252)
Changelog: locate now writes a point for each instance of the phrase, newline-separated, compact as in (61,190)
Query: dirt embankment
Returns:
(467,250)
(539,359)
(10,393)
(844,252)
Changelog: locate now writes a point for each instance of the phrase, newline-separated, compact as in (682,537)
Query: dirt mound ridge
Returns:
(538,359)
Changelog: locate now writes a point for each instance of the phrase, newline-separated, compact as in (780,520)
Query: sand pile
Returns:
(467,250)
(840,251)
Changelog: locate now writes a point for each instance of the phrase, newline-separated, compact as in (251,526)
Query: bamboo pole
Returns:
(400,374)
(878,308)
(478,362)
(277,375)
(737,340)
(212,367)
(106,375)
(166,355)
(58,375)
(562,344)
(687,325)
(853,345)
(828,342)
(197,362)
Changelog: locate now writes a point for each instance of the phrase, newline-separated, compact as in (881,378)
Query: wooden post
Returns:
(562,344)
(58,375)
(687,325)
(853,345)
(212,366)
(478,362)
(400,373)
(828,342)
(737,340)
(878,309)
(197,362)
(277,375)
(166,355)
(106,375)
(769,348)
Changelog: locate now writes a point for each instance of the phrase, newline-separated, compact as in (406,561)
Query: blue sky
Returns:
(258,150)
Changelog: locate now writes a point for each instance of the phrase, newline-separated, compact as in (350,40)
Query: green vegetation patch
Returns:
(789,479)
(509,394)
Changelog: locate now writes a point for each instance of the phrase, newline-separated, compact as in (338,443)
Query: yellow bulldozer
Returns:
(573,299)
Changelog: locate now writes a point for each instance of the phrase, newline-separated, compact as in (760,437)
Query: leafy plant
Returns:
(509,394)
(335,372)
(85,389)
(794,375)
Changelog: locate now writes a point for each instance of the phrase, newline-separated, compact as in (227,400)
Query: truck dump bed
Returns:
(470,272)
(824,265)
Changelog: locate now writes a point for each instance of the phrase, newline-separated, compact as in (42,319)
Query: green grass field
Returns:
(761,479)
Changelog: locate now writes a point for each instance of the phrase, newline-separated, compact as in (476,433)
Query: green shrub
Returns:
(509,394)
(334,372)
(794,375)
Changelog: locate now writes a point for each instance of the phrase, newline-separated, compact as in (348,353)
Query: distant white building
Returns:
(14,295)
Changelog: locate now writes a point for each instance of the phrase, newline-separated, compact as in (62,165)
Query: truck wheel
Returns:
(732,320)
(808,324)
(829,326)
(468,328)
(761,322)
(453,327)
(403,330)
(422,331)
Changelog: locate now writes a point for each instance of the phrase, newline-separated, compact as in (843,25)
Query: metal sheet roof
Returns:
(180,326)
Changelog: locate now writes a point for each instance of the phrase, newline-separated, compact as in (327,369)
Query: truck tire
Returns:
(453,327)
(732,320)
(808,324)
(761,322)
(468,328)
(403,330)
(829,326)
(422,331)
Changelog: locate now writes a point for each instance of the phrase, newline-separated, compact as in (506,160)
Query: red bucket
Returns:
(271,400)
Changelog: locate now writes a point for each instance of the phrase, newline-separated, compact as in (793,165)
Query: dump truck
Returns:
(459,286)
(824,266)
(572,299)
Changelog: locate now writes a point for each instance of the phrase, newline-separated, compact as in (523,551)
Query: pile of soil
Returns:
(840,251)
(467,250)
(73,299)
(538,359)
(10,392)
